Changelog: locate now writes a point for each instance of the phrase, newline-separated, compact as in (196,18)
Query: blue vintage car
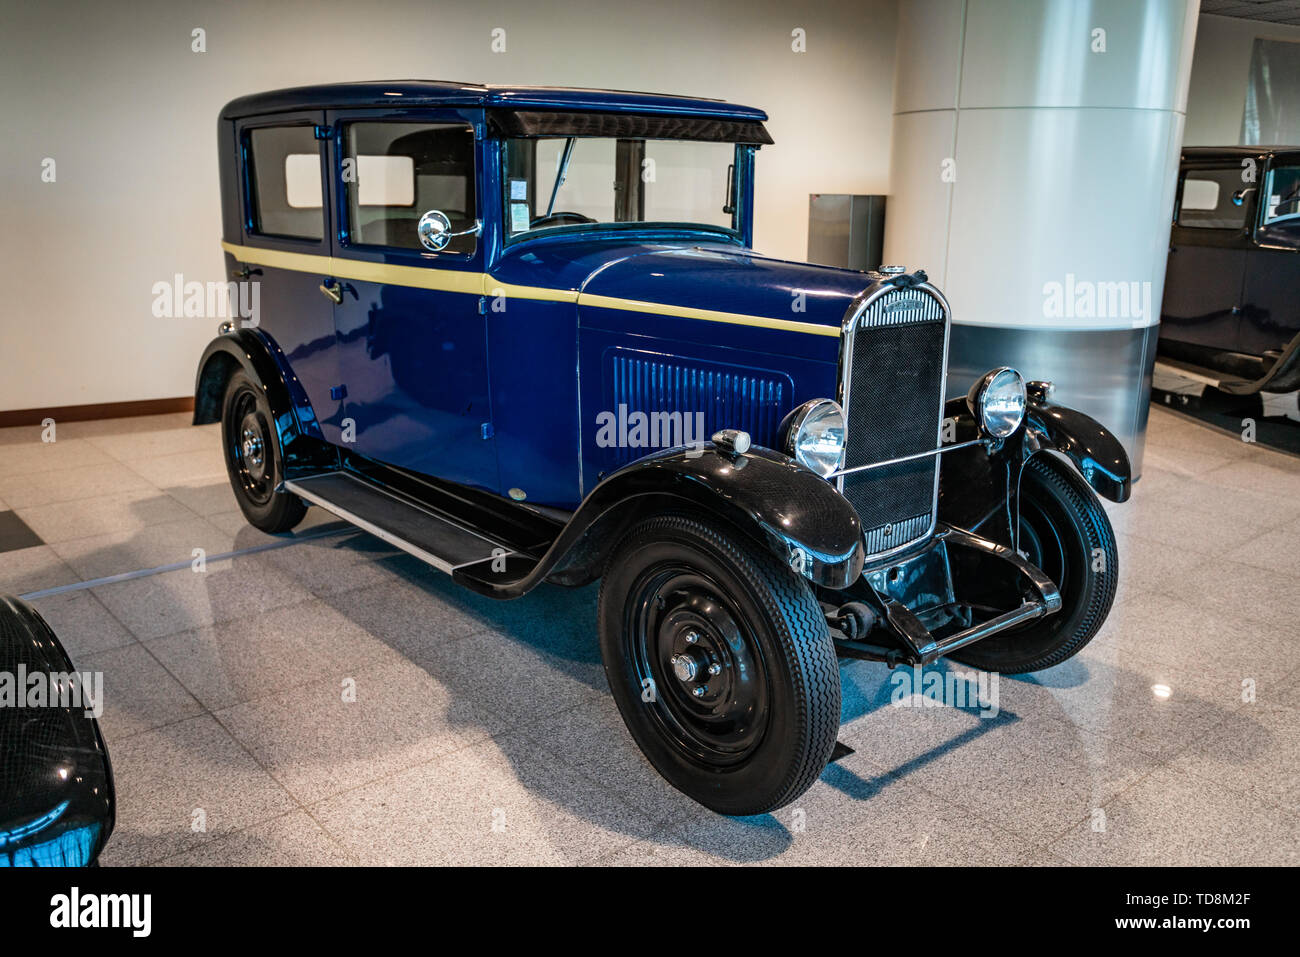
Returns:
(520,333)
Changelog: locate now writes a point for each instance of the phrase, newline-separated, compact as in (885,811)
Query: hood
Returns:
(728,279)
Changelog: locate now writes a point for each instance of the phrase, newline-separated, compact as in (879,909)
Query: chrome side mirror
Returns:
(434,230)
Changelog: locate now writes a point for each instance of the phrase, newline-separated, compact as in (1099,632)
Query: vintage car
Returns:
(1231,314)
(57,802)
(520,333)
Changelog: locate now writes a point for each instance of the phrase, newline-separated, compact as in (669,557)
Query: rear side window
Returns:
(1213,199)
(284,182)
(396,172)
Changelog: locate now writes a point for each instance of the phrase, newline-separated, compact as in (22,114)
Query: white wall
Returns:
(114,94)
(1220,68)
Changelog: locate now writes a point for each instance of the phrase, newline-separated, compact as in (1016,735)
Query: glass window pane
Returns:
(284,182)
(302,180)
(397,172)
(1213,199)
(608,181)
(1283,194)
(687,182)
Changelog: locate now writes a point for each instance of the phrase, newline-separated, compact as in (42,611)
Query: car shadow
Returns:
(553,630)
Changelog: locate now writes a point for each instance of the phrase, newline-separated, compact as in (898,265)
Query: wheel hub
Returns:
(252,445)
(685,667)
(250,456)
(713,687)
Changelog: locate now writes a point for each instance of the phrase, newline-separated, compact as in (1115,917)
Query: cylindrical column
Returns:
(1035,154)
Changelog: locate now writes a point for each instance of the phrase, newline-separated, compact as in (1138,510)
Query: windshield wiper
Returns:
(559,173)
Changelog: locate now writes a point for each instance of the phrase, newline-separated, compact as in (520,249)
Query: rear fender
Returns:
(251,350)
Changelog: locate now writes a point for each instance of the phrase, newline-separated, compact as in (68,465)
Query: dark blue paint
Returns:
(504,393)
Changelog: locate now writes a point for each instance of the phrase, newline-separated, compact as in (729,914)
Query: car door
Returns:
(1207,257)
(412,344)
(1270,312)
(286,247)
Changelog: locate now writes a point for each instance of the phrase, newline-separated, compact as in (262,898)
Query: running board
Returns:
(432,536)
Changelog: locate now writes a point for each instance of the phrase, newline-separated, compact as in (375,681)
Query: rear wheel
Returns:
(1065,532)
(253,457)
(721,664)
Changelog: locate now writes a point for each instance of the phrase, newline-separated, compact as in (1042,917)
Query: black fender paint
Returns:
(297,432)
(979,487)
(795,513)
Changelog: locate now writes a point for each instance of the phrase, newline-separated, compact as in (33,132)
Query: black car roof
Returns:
(1216,152)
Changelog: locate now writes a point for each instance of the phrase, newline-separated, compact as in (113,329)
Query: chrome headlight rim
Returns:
(999,420)
(796,427)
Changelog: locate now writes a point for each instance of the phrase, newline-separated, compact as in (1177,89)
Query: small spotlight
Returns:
(1161,691)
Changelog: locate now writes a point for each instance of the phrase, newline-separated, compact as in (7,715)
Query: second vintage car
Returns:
(520,333)
(1231,315)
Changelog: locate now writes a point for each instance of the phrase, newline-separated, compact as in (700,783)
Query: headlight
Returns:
(814,435)
(997,401)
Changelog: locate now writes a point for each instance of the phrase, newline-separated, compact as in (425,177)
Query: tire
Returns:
(765,725)
(253,457)
(1065,532)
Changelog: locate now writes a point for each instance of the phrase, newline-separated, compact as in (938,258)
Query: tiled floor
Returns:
(335,702)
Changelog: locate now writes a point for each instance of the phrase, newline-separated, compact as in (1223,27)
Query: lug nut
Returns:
(692,637)
(683,666)
(715,669)
(700,691)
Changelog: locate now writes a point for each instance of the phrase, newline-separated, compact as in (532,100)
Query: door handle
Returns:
(333,291)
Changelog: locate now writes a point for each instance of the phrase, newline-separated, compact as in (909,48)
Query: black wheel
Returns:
(721,663)
(252,452)
(1065,532)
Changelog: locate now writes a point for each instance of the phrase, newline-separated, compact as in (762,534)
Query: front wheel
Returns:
(721,663)
(1065,532)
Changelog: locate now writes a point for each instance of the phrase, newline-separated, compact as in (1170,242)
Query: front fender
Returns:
(1095,452)
(979,489)
(794,513)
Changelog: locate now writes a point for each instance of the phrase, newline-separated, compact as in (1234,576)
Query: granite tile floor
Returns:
(321,699)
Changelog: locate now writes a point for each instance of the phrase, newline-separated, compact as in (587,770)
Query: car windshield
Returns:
(575,182)
(1283,195)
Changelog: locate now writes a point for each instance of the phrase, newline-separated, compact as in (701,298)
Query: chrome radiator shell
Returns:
(898,503)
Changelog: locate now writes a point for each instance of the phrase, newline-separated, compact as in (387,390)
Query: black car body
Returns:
(1231,308)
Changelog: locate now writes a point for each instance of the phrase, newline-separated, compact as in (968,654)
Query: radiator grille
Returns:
(894,368)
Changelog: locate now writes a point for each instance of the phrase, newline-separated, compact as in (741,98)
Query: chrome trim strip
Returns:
(848,330)
(909,528)
(908,458)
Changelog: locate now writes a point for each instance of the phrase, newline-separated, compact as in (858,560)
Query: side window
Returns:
(396,172)
(1283,195)
(1212,199)
(284,182)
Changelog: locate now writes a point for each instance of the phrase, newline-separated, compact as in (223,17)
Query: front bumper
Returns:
(960,589)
